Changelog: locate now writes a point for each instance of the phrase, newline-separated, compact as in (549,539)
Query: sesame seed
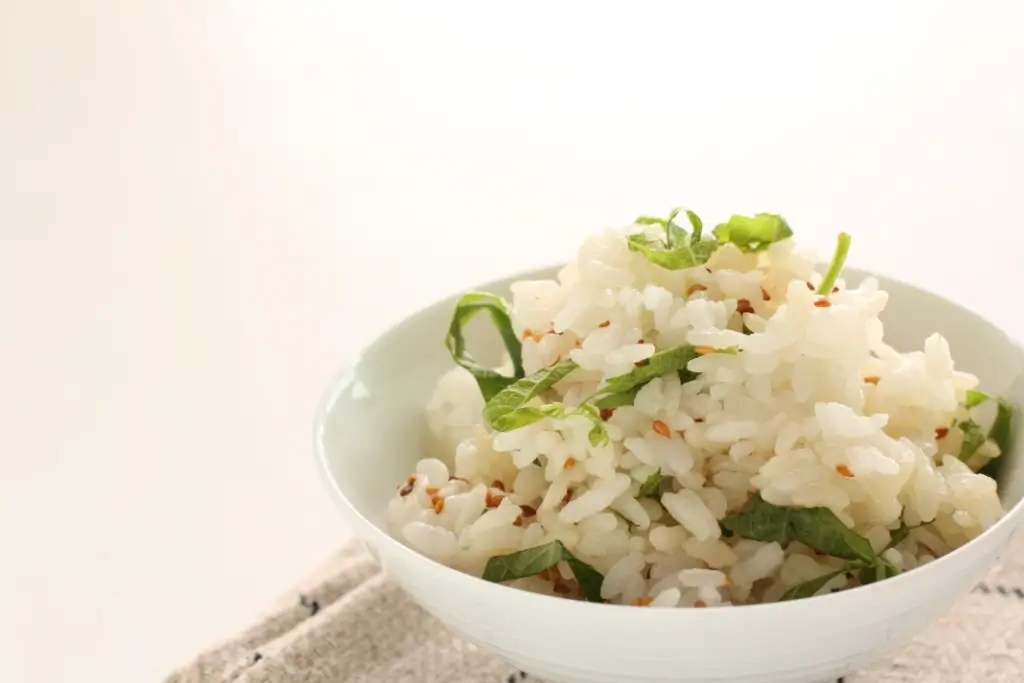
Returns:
(438,505)
(606,413)
(642,602)
(743,306)
(941,432)
(606,323)
(844,471)
(871,380)
(835,289)
(702,350)
(411,479)
(405,490)
(764,295)
(822,303)
(493,500)
(570,462)
(661,428)
(810,286)
(700,603)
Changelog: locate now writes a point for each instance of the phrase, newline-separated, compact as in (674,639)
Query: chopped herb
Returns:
(661,363)
(1001,429)
(817,527)
(508,409)
(651,486)
(533,561)
(809,589)
(490,381)
(754,234)
(881,569)
(697,224)
(975,398)
(501,409)
(836,265)
(974,438)
(683,252)
(613,401)
(899,535)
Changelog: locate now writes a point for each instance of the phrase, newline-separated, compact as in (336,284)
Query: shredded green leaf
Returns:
(533,561)
(661,363)
(753,234)
(809,589)
(836,265)
(975,398)
(684,253)
(817,527)
(696,224)
(490,381)
(651,486)
(899,535)
(876,572)
(509,409)
(974,438)
(1002,428)
(503,405)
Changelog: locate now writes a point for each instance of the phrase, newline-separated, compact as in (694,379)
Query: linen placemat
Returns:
(349,623)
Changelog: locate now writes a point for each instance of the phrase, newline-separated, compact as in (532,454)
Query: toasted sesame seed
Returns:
(702,350)
(405,490)
(696,288)
(810,286)
(431,490)
(606,413)
(941,432)
(570,462)
(844,471)
(438,504)
(411,479)
(764,295)
(642,602)
(606,323)
(872,379)
(661,428)
(835,289)
(698,419)
(822,303)
(641,363)
(743,306)
(700,603)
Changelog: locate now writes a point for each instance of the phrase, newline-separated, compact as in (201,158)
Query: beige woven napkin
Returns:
(351,624)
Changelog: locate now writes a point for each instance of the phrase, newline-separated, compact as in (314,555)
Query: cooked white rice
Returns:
(814,411)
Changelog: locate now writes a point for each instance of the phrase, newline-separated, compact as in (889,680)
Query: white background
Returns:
(205,207)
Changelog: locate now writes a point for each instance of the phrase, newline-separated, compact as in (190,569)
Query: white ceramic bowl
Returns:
(370,431)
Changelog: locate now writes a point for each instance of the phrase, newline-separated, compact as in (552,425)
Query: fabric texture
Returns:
(349,623)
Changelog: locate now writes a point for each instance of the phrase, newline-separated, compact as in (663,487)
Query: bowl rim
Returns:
(1008,524)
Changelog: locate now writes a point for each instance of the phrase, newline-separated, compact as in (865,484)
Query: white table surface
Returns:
(205,207)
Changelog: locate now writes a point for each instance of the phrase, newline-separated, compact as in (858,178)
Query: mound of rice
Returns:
(790,395)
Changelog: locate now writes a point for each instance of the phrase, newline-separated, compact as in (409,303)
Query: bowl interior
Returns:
(372,428)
